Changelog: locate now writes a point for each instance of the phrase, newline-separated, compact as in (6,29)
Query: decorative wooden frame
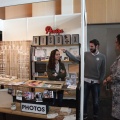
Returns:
(36,40)
(58,40)
(75,38)
(66,39)
(43,40)
(50,40)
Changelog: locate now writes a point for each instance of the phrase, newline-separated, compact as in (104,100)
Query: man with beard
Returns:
(95,69)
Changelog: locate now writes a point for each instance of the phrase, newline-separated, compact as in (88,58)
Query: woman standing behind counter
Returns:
(114,77)
(56,72)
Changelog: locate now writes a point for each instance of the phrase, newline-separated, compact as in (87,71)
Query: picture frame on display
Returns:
(51,40)
(66,39)
(43,40)
(74,51)
(40,52)
(75,38)
(36,40)
(48,94)
(58,40)
(39,96)
(66,58)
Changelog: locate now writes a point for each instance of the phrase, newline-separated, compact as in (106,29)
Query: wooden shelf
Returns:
(41,61)
(45,61)
(40,76)
(54,45)
(40,116)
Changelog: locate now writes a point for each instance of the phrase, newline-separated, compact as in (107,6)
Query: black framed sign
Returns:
(42,40)
(36,40)
(58,39)
(50,40)
(66,39)
(75,38)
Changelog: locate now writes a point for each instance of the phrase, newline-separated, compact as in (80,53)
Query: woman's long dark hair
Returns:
(51,62)
(118,38)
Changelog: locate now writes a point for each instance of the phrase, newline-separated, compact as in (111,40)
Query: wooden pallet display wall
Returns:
(14,58)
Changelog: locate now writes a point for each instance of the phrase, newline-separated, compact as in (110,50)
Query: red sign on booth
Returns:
(49,30)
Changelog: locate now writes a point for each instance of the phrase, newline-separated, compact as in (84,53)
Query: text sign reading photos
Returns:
(56,39)
(34,108)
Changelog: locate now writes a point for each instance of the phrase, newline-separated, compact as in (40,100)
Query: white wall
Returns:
(15,30)
(1,25)
(36,25)
(4,3)
(67,6)
(26,28)
(69,23)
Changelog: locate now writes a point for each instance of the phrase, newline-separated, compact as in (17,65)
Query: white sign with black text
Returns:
(34,108)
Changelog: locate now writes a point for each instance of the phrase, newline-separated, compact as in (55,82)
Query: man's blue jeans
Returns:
(94,88)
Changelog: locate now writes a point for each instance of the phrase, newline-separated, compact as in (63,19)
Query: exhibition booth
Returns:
(24,53)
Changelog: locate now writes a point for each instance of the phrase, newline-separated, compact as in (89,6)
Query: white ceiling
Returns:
(4,3)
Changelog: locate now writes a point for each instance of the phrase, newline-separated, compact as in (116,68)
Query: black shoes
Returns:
(95,118)
(85,117)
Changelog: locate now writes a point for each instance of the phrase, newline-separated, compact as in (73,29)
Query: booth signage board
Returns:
(34,108)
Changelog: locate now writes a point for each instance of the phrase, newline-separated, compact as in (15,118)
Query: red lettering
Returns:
(49,30)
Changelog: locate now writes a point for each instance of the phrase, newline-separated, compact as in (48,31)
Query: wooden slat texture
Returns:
(18,11)
(2,13)
(15,58)
(73,68)
(77,7)
(96,11)
(46,8)
(113,11)
(100,11)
